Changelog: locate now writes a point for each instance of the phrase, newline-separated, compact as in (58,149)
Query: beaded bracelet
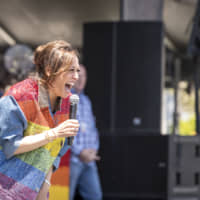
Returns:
(46,181)
(48,135)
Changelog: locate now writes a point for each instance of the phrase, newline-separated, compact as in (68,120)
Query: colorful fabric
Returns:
(60,180)
(21,176)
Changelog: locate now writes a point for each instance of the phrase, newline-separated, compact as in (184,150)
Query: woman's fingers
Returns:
(71,122)
(68,128)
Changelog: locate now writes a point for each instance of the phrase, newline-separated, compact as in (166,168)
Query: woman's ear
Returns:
(47,71)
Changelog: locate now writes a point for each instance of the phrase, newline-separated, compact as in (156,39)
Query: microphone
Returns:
(74,99)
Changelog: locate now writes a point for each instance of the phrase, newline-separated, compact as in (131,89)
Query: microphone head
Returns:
(74,99)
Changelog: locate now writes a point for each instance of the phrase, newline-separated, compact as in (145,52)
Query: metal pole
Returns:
(196,85)
(177,67)
(121,11)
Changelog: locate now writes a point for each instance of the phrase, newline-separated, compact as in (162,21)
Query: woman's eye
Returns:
(74,70)
(71,70)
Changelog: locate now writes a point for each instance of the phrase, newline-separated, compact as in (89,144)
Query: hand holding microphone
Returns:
(68,128)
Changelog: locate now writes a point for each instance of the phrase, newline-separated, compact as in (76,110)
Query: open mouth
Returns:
(68,86)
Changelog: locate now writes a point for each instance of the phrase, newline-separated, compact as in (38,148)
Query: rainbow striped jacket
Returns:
(24,110)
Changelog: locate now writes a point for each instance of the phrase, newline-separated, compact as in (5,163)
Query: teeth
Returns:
(69,84)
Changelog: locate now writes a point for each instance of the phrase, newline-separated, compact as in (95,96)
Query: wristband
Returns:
(50,135)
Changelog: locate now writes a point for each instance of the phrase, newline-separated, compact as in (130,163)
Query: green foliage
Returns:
(187,128)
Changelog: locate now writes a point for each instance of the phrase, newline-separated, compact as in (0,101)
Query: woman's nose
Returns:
(76,75)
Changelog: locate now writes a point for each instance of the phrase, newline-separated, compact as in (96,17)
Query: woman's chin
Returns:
(65,95)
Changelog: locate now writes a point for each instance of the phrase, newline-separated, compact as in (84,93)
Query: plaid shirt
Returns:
(87,136)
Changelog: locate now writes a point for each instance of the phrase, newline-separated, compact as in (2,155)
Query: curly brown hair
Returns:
(55,55)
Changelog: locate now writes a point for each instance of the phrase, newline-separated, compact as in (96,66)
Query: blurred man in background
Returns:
(83,170)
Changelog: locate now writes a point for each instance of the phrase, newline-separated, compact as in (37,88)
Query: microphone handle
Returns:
(72,115)
(70,140)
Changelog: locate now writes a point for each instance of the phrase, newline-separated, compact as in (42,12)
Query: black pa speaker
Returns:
(134,167)
(124,63)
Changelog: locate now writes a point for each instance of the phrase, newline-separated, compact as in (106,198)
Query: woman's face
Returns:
(63,82)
